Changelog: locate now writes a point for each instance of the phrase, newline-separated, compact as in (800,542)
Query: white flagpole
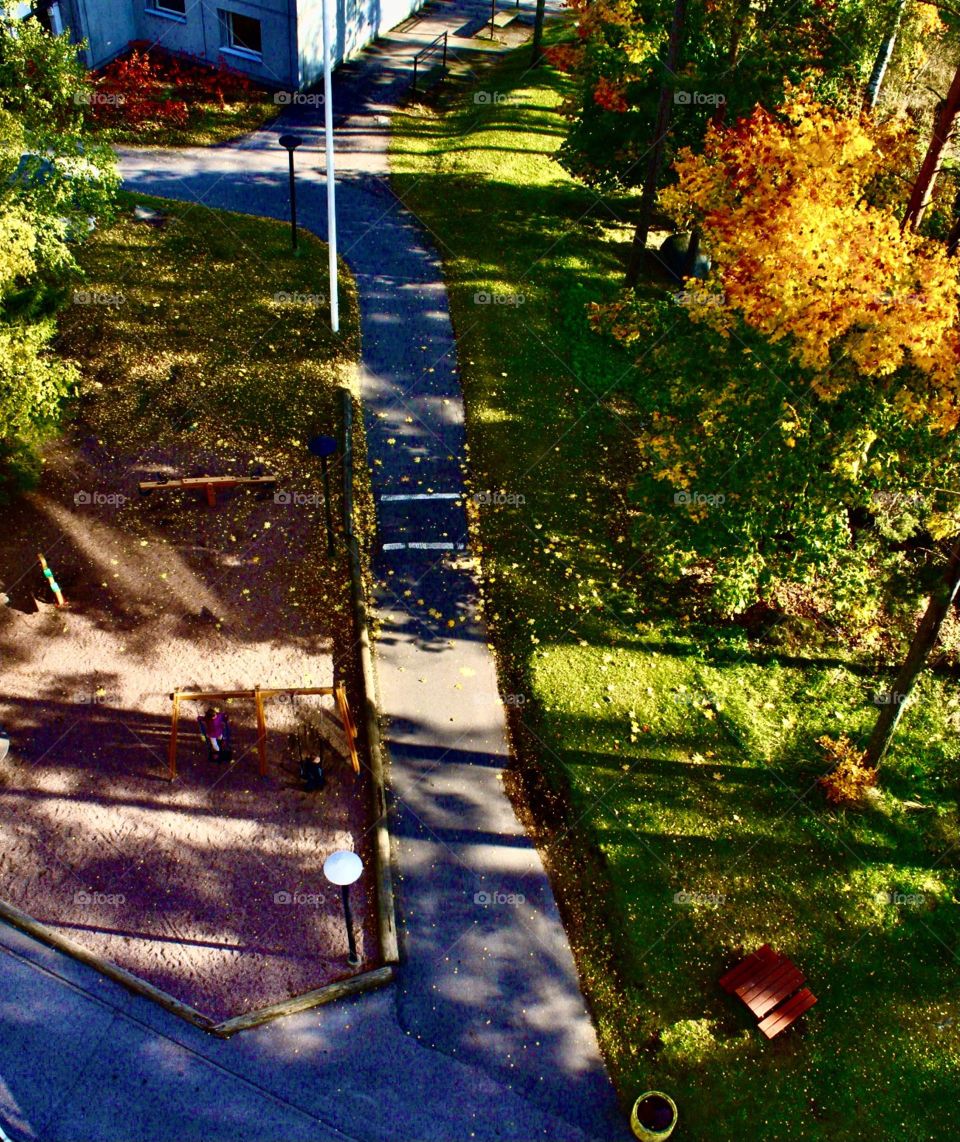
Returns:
(331,191)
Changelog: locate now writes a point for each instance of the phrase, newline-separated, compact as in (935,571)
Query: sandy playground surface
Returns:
(211,887)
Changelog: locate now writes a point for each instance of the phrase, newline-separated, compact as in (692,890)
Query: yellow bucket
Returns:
(653,1117)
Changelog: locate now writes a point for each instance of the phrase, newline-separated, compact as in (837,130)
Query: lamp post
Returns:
(331,181)
(343,868)
(324,446)
(290,143)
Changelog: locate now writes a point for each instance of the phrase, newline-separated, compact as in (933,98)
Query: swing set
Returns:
(259,695)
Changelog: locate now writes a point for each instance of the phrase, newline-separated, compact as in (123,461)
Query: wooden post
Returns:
(348,727)
(172,759)
(54,585)
(261,731)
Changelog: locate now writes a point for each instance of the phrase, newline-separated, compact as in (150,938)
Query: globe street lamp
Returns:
(344,868)
(290,143)
(324,446)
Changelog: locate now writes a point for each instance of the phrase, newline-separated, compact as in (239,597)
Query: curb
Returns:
(339,989)
(386,910)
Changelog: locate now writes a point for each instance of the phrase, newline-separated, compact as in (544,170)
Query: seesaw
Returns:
(210,484)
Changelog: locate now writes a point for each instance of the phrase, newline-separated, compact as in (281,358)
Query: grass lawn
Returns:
(208,319)
(670,766)
(205,346)
(209,125)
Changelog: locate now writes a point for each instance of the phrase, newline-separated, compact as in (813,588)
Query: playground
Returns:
(208,886)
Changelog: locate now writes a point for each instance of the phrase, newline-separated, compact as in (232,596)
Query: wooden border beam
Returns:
(172,758)
(348,727)
(261,731)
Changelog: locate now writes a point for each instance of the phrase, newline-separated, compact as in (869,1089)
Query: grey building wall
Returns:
(107,25)
(291,31)
(355,24)
(199,33)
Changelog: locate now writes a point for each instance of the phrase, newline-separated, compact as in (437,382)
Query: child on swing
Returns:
(215,730)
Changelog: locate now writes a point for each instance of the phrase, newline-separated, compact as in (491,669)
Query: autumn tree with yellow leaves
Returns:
(801,401)
(800,214)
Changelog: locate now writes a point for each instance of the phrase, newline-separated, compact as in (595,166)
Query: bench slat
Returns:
(767,981)
(765,996)
(749,968)
(787,1013)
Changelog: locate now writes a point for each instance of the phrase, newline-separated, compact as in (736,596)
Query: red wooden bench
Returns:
(763,995)
(768,984)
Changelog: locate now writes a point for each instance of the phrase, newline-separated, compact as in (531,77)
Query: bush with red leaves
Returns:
(148,85)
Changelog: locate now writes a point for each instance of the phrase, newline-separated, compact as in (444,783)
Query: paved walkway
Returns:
(486,1034)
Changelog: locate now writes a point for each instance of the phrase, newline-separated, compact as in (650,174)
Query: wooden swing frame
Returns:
(338,692)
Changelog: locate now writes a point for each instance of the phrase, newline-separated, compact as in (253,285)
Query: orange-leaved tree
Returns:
(798,211)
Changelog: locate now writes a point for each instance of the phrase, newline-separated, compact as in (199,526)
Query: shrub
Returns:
(150,86)
(849,780)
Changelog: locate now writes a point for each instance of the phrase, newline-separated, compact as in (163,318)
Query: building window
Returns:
(177,7)
(240,33)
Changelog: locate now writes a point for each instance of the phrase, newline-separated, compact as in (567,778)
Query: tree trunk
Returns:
(733,55)
(639,245)
(953,238)
(939,605)
(537,50)
(882,62)
(943,126)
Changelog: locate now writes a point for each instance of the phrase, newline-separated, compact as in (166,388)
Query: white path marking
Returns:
(424,547)
(392,497)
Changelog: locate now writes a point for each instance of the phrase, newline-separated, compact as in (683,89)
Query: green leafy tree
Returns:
(56,184)
(734,54)
(752,485)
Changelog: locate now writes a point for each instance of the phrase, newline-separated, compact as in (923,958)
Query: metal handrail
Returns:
(428,50)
